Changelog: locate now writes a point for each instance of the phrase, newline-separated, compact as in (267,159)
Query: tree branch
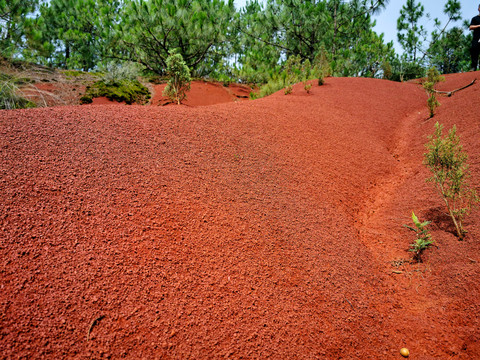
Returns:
(450,93)
(265,41)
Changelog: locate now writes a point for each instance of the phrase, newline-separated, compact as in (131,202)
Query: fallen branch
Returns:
(450,93)
(349,303)
(94,322)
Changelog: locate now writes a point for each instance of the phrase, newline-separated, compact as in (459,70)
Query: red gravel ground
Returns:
(257,229)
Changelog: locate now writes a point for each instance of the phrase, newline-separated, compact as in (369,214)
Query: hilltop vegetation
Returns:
(217,40)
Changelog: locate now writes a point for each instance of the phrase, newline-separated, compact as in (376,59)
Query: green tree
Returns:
(179,78)
(321,66)
(295,27)
(293,72)
(366,56)
(445,44)
(256,55)
(344,29)
(449,54)
(73,33)
(13,15)
(411,34)
(450,173)
(197,30)
(352,20)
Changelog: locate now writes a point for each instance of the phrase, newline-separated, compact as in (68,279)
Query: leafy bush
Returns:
(433,77)
(295,71)
(423,240)
(9,94)
(387,70)
(412,71)
(179,81)
(306,73)
(73,73)
(114,73)
(402,70)
(129,91)
(448,163)
(274,84)
(249,74)
(321,67)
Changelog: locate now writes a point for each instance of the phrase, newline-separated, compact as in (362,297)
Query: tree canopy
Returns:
(13,15)
(215,39)
(198,30)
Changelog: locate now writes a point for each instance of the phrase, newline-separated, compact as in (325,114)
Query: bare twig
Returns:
(93,323)
(349,303)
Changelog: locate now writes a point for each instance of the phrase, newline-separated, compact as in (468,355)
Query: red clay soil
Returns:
(259,229)
(104,101)
(203,93)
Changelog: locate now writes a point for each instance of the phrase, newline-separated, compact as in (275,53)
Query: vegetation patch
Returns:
(15,79)
(296,71)
(179,79)
(447,162)
(433,77)
(73,73)
(10,94)
(423,238)
(128,91)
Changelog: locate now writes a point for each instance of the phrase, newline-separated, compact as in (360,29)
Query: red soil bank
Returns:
(204,93)
(262,229)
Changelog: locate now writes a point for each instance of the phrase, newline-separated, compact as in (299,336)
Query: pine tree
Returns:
(295,27)
(449,54)
(179,78)
(73,33)
(197,30)
(446,50)
(411,34)
(13,15)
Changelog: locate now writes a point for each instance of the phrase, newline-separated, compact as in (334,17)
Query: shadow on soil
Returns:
(441,220)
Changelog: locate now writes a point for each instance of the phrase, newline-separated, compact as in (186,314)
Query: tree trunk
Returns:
(458,226)
(67,54)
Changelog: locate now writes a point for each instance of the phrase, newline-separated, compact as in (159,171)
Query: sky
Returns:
(387,19)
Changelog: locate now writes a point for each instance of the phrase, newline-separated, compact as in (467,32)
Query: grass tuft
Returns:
(9,94)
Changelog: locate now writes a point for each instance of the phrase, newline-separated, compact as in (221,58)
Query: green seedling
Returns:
(433,77)
(423,240)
